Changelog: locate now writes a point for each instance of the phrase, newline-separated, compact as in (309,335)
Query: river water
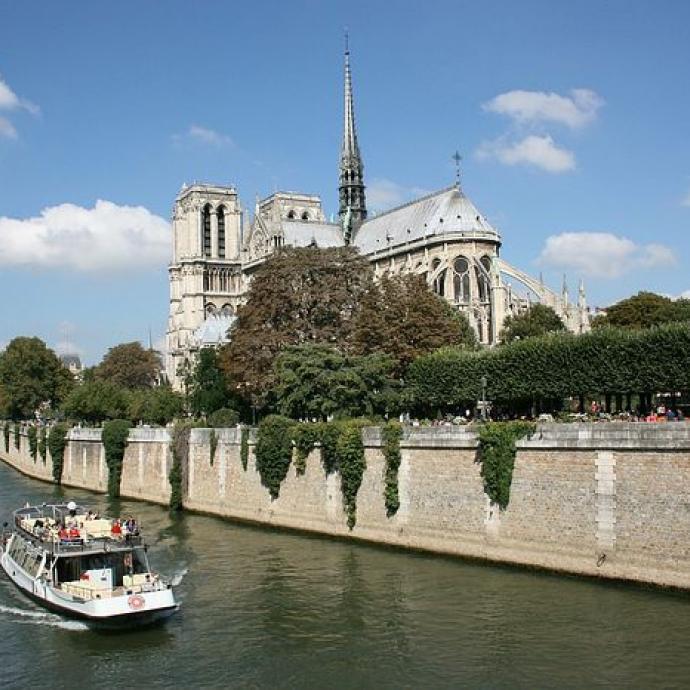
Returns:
(270,609)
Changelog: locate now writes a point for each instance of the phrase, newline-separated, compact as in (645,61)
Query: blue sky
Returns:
(572,119)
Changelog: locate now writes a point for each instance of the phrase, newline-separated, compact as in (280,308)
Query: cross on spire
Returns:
(458,159)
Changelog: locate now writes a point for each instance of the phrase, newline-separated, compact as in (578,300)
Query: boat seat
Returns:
(136,580)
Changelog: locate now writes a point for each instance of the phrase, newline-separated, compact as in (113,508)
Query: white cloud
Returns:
(10,101)
(602,254)
(533,107)
(104,238)
(383,194)
(540,151)
(204,135)
(686,200)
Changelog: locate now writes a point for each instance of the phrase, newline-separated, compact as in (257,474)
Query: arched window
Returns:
(291,215)
(439,286)
(206,229)
(210,310)
(483,282)
(227,310)
(461,280)
(221,232)
(305,216)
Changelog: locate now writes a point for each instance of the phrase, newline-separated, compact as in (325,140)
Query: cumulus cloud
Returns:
(539,151)
(204,135)
(104,238)
(576,110)
(383,194)
(9,101)
(602,254)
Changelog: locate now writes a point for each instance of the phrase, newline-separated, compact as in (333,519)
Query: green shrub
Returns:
(57,441)
(392,433)
(114,437)
(17,436)
(244,447)
(273,451)
(223,418)
(496,453)
(32,435)
(42,444)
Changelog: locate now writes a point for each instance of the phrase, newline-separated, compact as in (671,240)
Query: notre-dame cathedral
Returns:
(442,236)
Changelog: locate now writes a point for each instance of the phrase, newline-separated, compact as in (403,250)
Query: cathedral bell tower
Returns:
(353,205)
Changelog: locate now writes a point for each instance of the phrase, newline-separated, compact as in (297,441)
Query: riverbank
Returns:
(602,500)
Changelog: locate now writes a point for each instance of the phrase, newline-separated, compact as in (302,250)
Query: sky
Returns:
(572,120)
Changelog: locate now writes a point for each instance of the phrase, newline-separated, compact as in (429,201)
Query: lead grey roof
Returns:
(445,212)
(298,233)
(214,330)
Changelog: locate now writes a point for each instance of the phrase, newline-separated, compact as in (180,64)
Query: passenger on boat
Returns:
(131,526)
(116,529)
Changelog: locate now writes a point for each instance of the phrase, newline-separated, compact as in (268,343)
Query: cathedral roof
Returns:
(298,233)
(214,330)
(447,212)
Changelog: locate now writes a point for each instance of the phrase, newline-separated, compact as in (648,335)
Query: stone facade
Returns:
(607,500)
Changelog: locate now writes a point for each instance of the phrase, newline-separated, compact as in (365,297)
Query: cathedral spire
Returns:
(351,187)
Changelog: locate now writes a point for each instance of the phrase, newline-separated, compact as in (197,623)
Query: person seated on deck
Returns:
(116,529)
(74,534)
(63,534)
(131,526)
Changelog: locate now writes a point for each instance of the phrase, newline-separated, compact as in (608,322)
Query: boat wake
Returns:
(178,577)
(41,618)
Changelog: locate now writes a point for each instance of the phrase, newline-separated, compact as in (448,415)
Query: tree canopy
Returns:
(643,310)
(95,401)
(401,317)
(539,319)
(30,374)
(208,390)
(299,295)
(317,381)
(129,365)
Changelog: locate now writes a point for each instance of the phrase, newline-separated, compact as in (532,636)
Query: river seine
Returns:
(268,609)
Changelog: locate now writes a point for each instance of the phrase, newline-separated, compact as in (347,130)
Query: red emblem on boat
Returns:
(136,602)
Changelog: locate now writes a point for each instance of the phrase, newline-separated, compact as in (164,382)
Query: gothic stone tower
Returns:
(353,205)
(206,282)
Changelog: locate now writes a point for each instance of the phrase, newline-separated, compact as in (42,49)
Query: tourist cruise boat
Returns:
(78,564)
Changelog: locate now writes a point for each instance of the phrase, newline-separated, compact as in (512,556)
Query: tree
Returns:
(30,374)
(317,381)
(539,319)
(129,365)
(643,310)
(158,405)
(400,316)
(299,295)
(207,385)
(95,401)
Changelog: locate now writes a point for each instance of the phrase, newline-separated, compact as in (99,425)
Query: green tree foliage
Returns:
(273,452)
(57,442)
(224,418)
(129,365)
(643,310)
(401,317)
(207,385)
(539,319)
(607,361)
(43,444)
(30,374)
(316,381)
(114,437)
(97,400)
(158,405)
(32,435)
(496,453)
(301,295)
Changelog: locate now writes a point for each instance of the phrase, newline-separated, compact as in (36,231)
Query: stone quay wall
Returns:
(603,500)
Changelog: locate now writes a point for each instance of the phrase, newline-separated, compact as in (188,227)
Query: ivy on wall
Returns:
(274,451)
(179,446)
(496,453)
(6,432)
(57,441)
(114,437)
(42,444)
(17,436)
(213,445)
(244,447)
(351,464)
(392,433)
(305,437)
(32,435)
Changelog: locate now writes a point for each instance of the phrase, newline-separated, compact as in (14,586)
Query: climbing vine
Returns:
(496,453)
(329,433)
(57,441)
(305,437)
(114,437)
(6,432)
(42,444)
(244,447)
(391,433)
(213,444)
(32,435)
(351,463)
(179,446)
(273,451)
(17,436)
